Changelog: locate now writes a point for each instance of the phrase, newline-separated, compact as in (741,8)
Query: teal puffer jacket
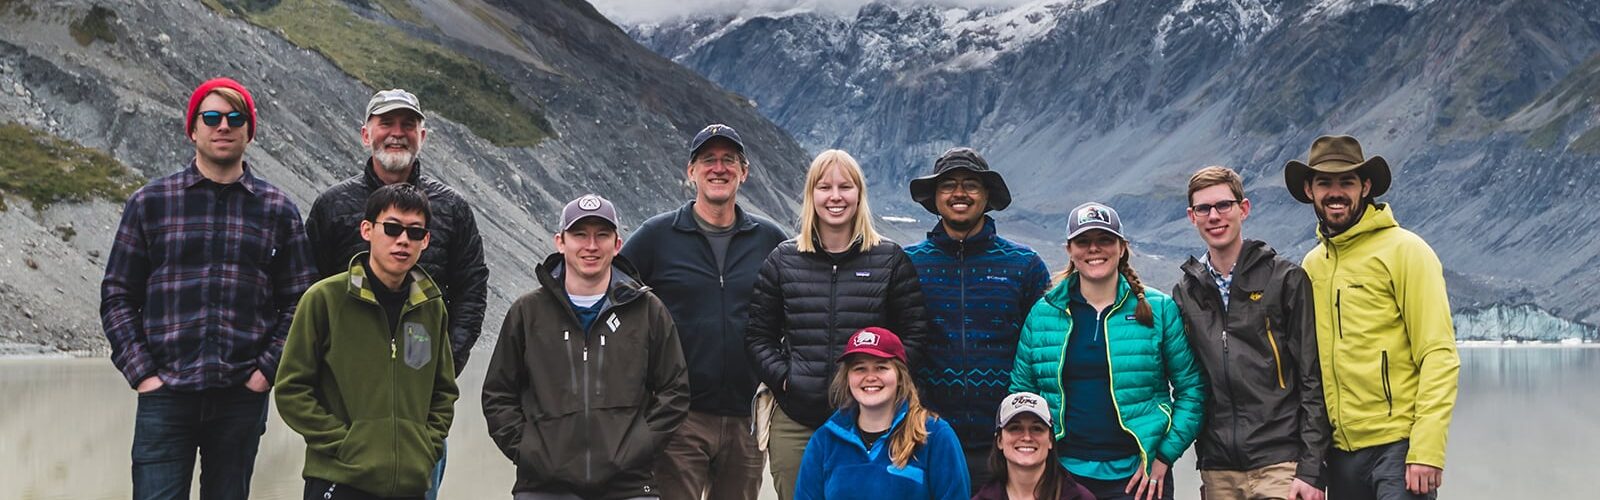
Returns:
(1155,382)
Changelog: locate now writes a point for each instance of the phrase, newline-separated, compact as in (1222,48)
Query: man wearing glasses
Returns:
(367,376)
(979,287)
(702,260)
(1251,325)
(394,134)
(201,282)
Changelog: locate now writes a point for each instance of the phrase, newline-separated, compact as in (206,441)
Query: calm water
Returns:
(1523,426)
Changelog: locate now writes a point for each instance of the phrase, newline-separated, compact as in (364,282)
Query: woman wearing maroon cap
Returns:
(881,443)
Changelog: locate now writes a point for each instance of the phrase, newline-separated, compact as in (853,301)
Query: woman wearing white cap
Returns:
(1112,360)
(1024,460)
(881,443)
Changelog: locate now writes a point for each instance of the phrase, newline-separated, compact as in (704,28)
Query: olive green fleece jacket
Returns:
(1387,345)
(373,405)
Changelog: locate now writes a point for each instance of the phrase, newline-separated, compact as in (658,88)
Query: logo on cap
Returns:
(1024,400)
(589,203)
(865,338)
(1093,214)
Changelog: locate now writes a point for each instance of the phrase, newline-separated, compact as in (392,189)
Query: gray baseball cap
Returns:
(385,101)
(1090,216)
(589,205)
(1019,403)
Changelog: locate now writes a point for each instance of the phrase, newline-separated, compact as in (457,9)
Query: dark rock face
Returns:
(621,118)
(1485,109)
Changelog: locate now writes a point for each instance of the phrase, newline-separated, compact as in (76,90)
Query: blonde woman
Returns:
(881,443)
(815,290)
(1111,358)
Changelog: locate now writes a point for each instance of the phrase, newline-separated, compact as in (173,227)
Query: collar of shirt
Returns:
(1223,281)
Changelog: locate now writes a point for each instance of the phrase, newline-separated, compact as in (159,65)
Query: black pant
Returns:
(1113,489)
(1374,473)
(321,489)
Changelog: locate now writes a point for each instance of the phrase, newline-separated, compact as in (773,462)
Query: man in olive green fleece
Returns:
(1384,333)
(367,375)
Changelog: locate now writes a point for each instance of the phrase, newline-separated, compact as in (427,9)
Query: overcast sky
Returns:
(646,11)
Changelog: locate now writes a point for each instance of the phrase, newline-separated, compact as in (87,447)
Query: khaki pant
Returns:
(1266,483)
(785,447)
(710,455)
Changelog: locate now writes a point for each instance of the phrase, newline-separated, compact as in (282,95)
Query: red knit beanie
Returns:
(205,89)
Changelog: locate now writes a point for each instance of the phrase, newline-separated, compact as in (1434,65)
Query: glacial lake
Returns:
(1524,427)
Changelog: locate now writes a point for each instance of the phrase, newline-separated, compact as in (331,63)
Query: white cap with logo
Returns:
(1019,403)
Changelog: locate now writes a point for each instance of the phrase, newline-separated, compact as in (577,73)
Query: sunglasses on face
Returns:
(1222,207)
(214,118)
(416,233)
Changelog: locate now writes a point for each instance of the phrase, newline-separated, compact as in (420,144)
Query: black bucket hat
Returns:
(922,188)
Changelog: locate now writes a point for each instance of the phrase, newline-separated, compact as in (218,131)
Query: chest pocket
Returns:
(419,344)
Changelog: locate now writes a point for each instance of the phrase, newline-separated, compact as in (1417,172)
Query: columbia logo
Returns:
(613,323)
(863,274)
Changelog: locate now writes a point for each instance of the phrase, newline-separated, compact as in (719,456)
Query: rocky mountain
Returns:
(532,103)
(1486,109)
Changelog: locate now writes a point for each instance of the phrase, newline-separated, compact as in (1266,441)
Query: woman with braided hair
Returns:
(1111,358)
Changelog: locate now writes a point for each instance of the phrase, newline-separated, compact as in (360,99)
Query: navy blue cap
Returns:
(715,130)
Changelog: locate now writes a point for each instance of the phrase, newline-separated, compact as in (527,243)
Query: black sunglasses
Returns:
(214,118)
(414,232)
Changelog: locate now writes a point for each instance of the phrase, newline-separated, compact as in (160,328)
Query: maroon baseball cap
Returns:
(877,342)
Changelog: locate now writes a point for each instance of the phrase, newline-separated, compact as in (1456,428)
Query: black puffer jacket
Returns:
(807,304)
(1260,354)
(454,257)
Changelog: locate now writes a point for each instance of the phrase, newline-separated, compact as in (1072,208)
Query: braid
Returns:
(1143,313)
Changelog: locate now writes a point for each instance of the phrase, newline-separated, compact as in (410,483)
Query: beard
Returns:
(1352,215)
(394,161)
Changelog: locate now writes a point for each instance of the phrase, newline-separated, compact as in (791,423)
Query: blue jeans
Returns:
(225,425)
(438,472)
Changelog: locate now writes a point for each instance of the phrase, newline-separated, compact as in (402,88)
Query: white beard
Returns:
(394,162)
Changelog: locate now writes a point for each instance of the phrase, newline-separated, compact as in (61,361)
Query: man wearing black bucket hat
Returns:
(1384,333)
(979,288)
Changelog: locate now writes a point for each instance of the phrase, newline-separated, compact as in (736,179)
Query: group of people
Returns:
(957,367)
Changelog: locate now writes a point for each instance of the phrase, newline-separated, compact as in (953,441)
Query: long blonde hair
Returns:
(913,431)
(809,220)
(1142,313)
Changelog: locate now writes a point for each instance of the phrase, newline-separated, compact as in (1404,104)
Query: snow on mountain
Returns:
(1243,20)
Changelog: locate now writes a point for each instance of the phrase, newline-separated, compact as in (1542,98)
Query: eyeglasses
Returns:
(1222,207)
(729,160)
(969,186)
(416,233)
(214,118)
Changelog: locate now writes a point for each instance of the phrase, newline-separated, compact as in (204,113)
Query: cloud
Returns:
(651,11)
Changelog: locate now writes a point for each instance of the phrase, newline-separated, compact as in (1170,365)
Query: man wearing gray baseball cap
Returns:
(588,380)
(393,133)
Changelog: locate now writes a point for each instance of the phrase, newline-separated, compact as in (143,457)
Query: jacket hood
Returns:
(843,423)
(981,239)
(683,220)
(1252,254)
(1375,218)
(625,285)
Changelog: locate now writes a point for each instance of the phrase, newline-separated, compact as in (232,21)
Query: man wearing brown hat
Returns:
(1384,333)
(979,288)
(394,134)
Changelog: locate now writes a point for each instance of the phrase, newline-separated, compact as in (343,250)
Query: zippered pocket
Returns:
(1277,362)
(1388,395)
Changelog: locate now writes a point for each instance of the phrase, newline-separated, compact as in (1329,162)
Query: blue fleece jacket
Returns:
(838,466)
(978,291)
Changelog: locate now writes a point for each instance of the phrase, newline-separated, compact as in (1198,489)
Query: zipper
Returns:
(961,267)
(1233,403)
(1276,361)
(1111,382)
(1388,396)
(833,310)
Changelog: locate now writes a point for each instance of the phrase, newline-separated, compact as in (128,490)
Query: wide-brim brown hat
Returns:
(922,188)
(1336,154)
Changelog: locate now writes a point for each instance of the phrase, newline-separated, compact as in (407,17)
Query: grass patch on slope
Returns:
(448,83)
(1588,143)
(45,169)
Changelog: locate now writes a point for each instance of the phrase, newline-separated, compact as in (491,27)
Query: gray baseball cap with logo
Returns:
(586,206)
(385,101)
(1019,403)
(1090,216)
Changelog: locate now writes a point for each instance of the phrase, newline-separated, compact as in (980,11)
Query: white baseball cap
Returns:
(1019,403)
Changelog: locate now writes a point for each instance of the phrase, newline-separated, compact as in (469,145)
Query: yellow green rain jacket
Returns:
(1389,361)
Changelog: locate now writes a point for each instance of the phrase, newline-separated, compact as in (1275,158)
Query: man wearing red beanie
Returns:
(201,283)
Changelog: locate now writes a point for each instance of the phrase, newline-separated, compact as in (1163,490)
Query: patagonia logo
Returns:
(1129,317)
(613,322)
(1255,296)
(863,274)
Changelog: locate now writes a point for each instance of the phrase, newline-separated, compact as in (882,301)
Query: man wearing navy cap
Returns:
(979,288)
(703,258)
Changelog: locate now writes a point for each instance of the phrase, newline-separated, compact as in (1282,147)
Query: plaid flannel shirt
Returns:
(203,279)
